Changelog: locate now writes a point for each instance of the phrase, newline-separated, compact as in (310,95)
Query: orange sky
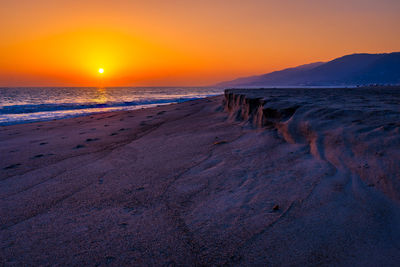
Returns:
(153,43)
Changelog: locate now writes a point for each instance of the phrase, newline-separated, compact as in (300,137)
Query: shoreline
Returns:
(246,178)
(59,114)
(84,114)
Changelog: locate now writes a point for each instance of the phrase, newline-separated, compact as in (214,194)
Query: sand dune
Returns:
(272,177)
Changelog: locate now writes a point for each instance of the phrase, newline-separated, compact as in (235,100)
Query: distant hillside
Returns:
(356,69)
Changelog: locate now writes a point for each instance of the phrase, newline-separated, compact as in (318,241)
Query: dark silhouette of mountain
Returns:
(356,69)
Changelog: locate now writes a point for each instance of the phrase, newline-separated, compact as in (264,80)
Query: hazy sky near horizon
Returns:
(176,42)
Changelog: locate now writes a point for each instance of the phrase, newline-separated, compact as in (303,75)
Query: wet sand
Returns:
(218,181)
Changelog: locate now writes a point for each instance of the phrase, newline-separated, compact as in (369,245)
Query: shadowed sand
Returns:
(291,180)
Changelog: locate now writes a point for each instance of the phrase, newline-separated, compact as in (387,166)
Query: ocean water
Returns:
(22,105)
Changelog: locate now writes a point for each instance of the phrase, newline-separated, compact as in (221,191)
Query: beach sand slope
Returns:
(242,179)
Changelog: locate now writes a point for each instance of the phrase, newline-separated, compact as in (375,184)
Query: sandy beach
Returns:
(263,178)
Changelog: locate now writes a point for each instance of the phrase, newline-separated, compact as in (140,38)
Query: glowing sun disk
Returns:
(101,70)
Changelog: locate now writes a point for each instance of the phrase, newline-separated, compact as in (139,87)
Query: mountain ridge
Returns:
(353,69)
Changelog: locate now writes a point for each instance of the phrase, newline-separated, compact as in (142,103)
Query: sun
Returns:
(101,70)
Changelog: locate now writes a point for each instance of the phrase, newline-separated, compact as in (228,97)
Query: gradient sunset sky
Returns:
(154,43)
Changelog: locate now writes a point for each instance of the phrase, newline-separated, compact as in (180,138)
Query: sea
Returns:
(32,104)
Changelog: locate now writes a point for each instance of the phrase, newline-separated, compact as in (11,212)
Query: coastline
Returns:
(222,180)
(84,113)
(25,105)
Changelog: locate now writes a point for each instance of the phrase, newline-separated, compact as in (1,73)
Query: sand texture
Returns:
(253,178)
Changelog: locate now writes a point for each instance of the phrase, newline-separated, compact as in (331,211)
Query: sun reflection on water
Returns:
(100,95)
